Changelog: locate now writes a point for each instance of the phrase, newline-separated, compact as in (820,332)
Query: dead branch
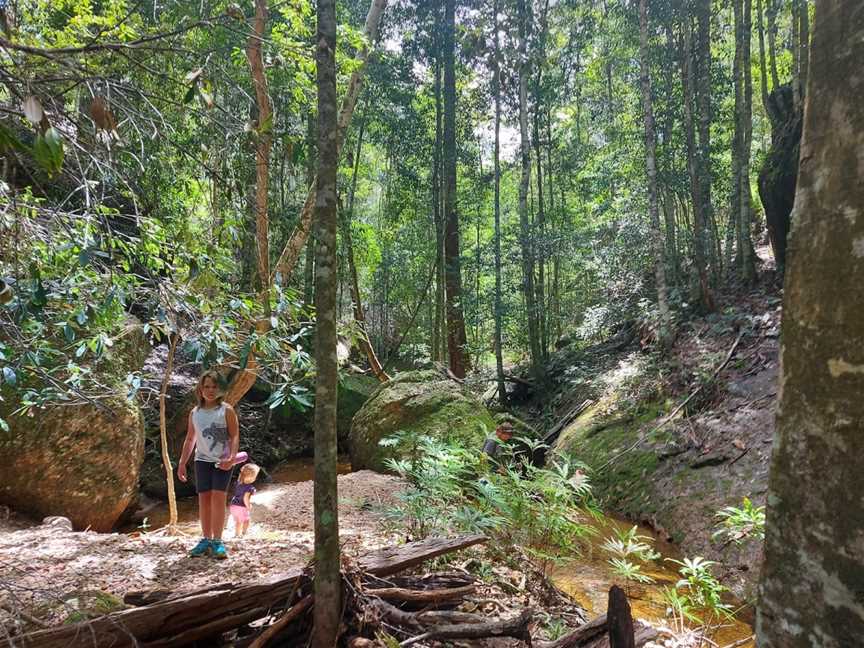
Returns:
(290,615)
(516,627)
(426,597)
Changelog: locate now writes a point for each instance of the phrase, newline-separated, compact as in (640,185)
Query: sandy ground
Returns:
(46,569)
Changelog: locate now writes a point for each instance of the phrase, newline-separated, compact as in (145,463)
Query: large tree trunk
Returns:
(525,226)
(262,152)
(814,557)
(291,253)
(496,83)
(328,585)
(664,332)
(456,339)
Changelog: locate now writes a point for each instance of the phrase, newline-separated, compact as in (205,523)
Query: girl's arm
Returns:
(247,500)
(188,446)
(233,437)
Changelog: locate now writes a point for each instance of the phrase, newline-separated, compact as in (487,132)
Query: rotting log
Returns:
(516,627)
(619,620)
(178,616)
(580,636)
(424,597)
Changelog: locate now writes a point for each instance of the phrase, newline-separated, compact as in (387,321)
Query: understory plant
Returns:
(628,553)
(454,489)
(697,597)
(740,524)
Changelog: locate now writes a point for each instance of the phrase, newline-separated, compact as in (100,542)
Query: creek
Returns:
(586,577)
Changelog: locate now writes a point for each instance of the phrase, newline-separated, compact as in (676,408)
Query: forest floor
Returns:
(54,574)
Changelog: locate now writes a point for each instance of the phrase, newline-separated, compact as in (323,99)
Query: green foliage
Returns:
(702,592)
(454,490)
(740,524)
(625,547)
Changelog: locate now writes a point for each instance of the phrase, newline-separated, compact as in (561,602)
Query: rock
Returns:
(714,458)
(57,522)
(421,402)
(82,460)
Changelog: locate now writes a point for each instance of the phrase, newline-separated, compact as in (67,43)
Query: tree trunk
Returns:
(796,55)
(703,87)
(496,85)
(771,11)
(291,253)
(745,242)
(540,232)
(357,303)
(763,69)
(263,144)
(664,330)
(733,226)
(810,591)
(700,225)
(309,271)
(456,339)
(163,435)
(438,352)
(328,583)
(803,45)
(525,226)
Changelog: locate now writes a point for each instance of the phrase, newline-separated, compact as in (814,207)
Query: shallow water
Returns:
(588,579)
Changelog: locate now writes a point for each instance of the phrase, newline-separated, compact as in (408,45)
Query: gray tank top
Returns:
(211,433)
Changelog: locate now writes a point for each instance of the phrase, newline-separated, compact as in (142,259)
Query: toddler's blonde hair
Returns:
(249,473)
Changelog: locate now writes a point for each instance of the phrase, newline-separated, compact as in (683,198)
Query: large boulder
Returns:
(421,402)
(81,460)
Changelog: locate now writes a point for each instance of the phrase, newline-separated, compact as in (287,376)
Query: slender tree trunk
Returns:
(748,262)
(810,592)
(525,225)
(763,67)
(291,253)
(803,45)
(703,87)
(664,332)
(328,580)
(456,339)
(700,225)
(733,230)
(557,220)
(540,233)
(438,352)
(309,274)
(163,434)
(796,55)
(262,152)
(357,302)
(496,85)
(771,11)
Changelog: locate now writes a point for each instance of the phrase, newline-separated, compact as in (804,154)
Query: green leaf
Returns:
(190,94)
(4,425)
(48,151)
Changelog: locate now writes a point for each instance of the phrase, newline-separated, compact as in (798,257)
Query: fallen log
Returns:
(419,620)
(516,627)
(424,597)
(290,615)
(550,437)
(620,620)
(580,636)
(173,616)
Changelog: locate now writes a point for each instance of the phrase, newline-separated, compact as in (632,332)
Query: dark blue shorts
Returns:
(208,476)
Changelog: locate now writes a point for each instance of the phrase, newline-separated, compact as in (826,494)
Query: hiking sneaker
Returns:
(218,550)
(201,549)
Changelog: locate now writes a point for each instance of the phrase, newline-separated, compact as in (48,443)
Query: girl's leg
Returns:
(204,513)
(242,528)
(218,501)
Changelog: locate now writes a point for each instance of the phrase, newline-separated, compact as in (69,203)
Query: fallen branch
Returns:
(516,627)
(552,434)
(680,406)
(579,637)
(290,615)
(426,597)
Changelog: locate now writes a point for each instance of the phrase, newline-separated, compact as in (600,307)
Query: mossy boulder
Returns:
(78,460)
(421,402)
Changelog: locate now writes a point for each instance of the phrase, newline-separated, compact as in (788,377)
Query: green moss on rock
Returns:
(421,402)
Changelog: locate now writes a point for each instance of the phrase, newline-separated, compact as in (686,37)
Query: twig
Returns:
(679,407)
(28,618)
(740,642)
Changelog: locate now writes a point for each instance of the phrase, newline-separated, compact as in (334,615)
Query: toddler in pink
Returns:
(241,503)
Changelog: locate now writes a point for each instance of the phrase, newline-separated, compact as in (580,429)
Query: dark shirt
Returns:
(240,494)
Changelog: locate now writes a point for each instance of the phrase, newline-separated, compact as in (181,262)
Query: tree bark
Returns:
(328,582)
(664,330)
(262,152)
(771,15)
(810,591)
(291,253)
(456,339)
(309,270)
(803,45)
(527,235)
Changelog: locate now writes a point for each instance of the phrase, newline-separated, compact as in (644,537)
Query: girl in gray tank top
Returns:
(211,433)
